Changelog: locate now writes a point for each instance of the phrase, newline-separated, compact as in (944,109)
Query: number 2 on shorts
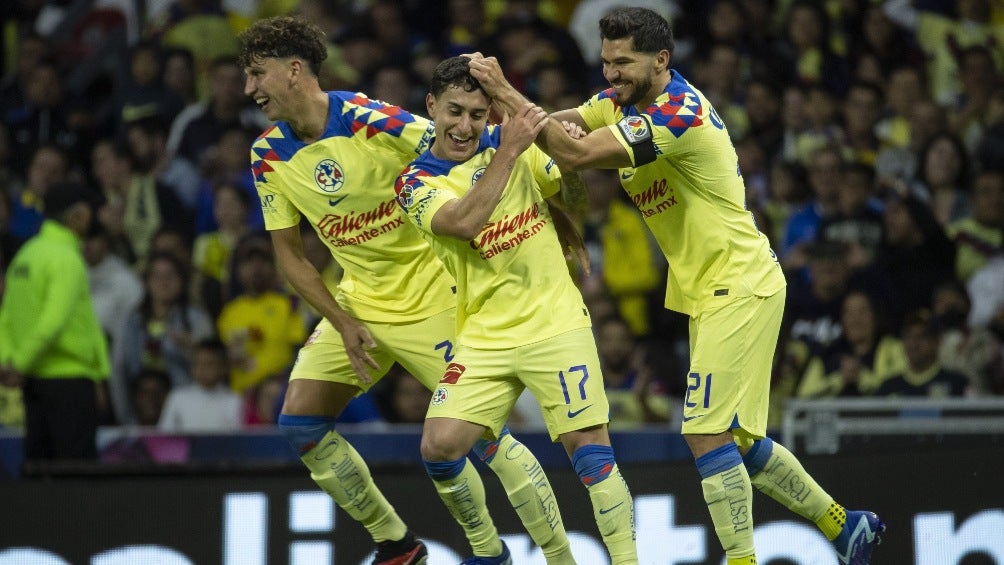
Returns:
(582,382)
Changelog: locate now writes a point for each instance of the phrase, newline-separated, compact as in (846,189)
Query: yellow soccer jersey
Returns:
(692,196)
(513,286)
(263,332)
(344,185)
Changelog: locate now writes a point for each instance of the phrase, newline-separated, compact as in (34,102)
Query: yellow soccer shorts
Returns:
(562,372)
(422,347)
(731,354)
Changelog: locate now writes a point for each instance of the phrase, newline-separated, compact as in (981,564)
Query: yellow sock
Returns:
(776,472)
(748,560)
(531,496)
(613,509)
(464,496)
(729,495)
(832,521)
(338,469)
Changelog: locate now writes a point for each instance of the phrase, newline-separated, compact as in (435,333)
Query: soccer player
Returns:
(332,157)
(478,196)
(678,166)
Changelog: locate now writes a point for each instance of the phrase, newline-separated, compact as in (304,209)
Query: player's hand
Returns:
(488,72)
(573,129)
(519,130)
(358,341)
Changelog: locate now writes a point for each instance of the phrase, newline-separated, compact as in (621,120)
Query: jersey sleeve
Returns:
(277,210)
(545,171)
(420,196)
(598,111)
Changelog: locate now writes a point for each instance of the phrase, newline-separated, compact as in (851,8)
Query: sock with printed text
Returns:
(459,486)
(729,495)
(338,469)
(529,492)
(776,472)
(613,507)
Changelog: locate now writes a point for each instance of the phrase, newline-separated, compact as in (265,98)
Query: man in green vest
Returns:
(51,342)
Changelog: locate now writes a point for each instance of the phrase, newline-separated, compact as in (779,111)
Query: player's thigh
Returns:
(732,350)
(323,358)
(423,348)
(478,386)
(563,373)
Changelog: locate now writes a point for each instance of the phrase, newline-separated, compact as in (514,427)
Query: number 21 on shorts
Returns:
(694,382)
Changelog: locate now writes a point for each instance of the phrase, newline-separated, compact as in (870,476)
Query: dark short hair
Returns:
(283,37)
(650,31)
(455,71)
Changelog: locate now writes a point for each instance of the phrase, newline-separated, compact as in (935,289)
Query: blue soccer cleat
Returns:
(502,559)
(862,532)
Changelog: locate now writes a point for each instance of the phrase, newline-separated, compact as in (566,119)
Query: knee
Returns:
(440,447)
(305,432)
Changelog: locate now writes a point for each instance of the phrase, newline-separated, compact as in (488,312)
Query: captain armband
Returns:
(638,133)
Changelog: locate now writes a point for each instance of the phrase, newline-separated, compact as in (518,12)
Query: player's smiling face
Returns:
(632,74)
(460,117)
(267,79)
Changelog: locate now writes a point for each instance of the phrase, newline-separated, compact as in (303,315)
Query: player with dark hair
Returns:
(680,169)
(478,195)
(333,157)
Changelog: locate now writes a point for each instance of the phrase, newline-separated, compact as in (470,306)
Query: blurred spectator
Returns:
(916,256)
(178,76)
(924,375)
(111,168)
(31,49)
(888,43)
(974,352)
(207,404)
(143,92)
(989,151)
(862,109)
(788,193)
(44,117)
(115,289)
(898,164)
(399,38)
(395,84)
(812,309)
(943,177)
(636,396)
(212,253)
(200,26)
(621,252)
(805,49)
(980,235)
(978,75)
(160,333)
(857,362)
(263,401)
(904,89)
(260,325)
(147,394)
(48,166)
(718,77)
(147,138)
(763,112)
(858,223)
(226,162)
(201,125)
(467,27)
(942,38)
(822,125)
(51,343)
(803,226)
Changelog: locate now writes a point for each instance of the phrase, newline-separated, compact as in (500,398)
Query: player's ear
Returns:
(430,103)
(663,59)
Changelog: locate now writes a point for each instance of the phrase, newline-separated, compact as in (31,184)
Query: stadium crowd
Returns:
(870,136)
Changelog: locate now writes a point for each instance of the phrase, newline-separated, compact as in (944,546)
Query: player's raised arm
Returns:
(597,150)
(464,217)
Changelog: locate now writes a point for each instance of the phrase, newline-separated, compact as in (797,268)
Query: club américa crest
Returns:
(329,176)
(477,174)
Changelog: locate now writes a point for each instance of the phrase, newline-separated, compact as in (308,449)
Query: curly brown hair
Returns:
(283,37)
